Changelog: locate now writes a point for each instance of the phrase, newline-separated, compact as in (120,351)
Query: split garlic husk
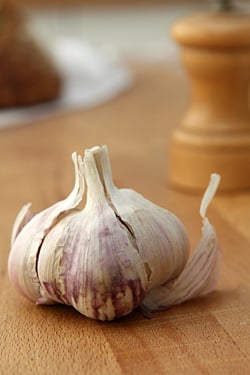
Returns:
(117,253)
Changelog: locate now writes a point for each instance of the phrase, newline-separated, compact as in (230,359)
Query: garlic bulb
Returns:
(117,253)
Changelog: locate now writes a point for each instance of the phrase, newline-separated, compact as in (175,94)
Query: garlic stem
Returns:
(95,190)
(104,168)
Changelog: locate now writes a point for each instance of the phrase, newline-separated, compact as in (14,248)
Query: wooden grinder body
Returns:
(214,135)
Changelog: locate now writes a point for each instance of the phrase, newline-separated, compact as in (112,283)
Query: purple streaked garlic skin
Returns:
(118,252)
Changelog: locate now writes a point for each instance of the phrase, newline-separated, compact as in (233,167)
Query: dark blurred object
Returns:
(27,76)
(223,5)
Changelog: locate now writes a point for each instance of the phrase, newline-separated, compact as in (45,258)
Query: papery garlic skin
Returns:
(117,253)
(202,270)
(29,232)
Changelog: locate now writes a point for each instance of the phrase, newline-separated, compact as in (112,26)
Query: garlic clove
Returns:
(95,265)
(160,236)
(202,270)
(27,237)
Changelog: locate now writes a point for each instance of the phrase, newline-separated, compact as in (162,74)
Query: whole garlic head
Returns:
(117,253)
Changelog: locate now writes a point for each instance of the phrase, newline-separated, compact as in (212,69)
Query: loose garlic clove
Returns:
(95,265)
(119,252)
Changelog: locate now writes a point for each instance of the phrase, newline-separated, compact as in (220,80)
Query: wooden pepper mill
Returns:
(214,135)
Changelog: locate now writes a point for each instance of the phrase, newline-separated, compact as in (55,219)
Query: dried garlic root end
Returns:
(202,270)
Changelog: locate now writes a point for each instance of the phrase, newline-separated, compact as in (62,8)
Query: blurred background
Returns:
(88,46)
(129,27)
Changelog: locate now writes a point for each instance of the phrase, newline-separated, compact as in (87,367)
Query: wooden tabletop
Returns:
(209,335)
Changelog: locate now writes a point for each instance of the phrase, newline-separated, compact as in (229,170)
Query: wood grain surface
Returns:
(210,335)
